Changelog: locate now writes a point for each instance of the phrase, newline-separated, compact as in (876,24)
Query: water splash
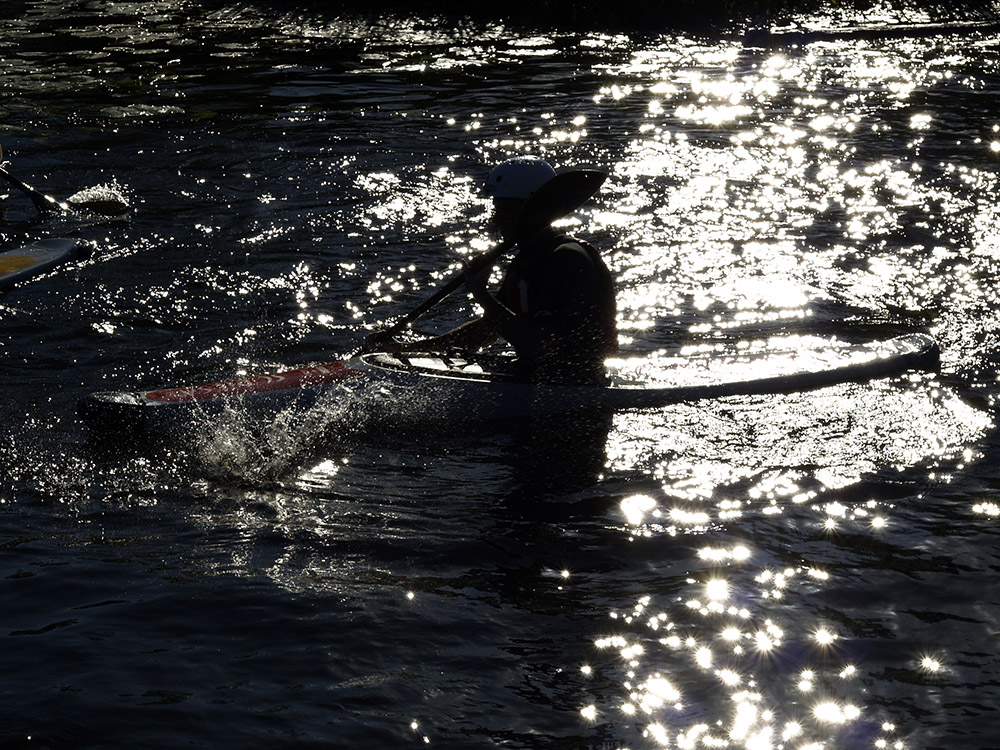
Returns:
(249,446)
(109,199)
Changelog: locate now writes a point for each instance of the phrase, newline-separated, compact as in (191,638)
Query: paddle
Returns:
(559,196)
(46,203)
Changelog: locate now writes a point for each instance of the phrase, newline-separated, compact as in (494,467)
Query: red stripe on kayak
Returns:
(331,372)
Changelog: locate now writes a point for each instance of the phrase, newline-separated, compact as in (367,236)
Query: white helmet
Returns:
(518,178)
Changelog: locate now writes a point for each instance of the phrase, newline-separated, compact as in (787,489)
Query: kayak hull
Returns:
(426,389)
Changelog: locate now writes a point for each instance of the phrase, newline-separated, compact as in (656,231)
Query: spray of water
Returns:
(247,445)
(108,199)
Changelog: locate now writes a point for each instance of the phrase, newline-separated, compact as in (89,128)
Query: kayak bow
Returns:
(37,258)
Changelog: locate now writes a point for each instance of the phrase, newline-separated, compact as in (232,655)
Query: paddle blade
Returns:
(560,196)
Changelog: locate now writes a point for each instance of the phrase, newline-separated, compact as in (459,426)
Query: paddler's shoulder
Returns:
(551,240)
(572,252)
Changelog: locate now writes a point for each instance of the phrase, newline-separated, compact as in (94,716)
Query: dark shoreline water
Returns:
(711,18)
(776,571)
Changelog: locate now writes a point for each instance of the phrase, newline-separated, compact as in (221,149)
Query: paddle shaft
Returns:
(44,203)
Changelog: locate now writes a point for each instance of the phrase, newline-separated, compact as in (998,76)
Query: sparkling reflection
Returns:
(759,203)
(750,712)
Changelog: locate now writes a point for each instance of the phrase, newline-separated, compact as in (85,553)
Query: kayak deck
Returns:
(37,258)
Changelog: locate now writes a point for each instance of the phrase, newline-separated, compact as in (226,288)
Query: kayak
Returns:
(431,388)
(800,36)
(37,258)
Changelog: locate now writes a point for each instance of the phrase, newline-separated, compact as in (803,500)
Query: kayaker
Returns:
(556,305)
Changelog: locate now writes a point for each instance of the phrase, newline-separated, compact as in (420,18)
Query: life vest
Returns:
(536,285)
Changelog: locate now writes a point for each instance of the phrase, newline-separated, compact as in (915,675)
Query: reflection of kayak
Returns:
(32,260)
(429,388)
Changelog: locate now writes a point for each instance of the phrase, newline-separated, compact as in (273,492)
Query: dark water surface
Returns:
(803,571)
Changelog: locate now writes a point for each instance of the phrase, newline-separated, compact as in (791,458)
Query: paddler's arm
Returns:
(523,334)
(468,337)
